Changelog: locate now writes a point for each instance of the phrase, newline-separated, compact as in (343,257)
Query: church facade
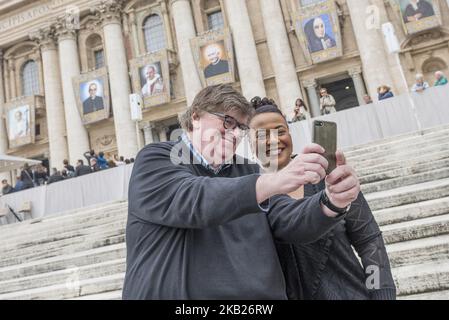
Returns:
(68,67)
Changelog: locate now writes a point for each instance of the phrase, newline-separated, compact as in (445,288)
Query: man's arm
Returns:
(169,194)
(300,221)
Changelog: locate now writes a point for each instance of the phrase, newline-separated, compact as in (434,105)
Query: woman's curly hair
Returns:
(265,105)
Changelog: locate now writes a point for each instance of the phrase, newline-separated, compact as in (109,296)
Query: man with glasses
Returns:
(327,102)
(202,222)
(93,102)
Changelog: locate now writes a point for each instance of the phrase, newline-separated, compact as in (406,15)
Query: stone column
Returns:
(359,85)
(5,70)
(148,133)
(110,13)
(166,18)
(54,102)
(77,137)
(185,30)
(12,79)
(314,101)
(285,72)
(3,133)
(370,43)
(251,78)
(162,133)
(133,21)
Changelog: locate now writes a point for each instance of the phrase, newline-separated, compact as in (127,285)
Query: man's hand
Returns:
(342,184)
(308,167)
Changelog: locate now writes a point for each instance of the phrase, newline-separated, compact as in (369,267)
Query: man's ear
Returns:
(195,120)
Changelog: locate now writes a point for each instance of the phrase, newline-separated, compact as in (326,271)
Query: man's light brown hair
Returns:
(217,98)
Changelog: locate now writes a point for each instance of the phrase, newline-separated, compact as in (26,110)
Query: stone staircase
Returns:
(81,254)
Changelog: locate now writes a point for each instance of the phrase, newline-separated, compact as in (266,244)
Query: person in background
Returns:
(420,84)
(384,92)
(131,160)
(6,187)
(40,175)
(111,164)
(89,154)
(19,184)
(26,175)
(327,102)
(441,79)
(102,162)
(300,111)
(127,161)
(367,99)
(55,176)
(94,167)
(70,170)
(119,161)
(82,169)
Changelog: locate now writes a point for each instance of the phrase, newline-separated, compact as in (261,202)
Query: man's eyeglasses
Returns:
(230,123)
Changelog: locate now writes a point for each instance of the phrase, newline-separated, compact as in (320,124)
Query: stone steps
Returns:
(54,224)
(110,295)
(63,291)
(416,229)
(433,295)
(398,139)
(385,168)
(412,211)
(397,156)
(423,250)
(79,259)
(413,145)
(408,194)
(30,243)
(405,170)
(67,276)
(79,246)
(408,180)
(422,278)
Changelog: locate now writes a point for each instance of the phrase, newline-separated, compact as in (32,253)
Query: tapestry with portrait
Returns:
(92,95)
(151,78)
(318,30)
(214,56)
(418,15)
(20,121)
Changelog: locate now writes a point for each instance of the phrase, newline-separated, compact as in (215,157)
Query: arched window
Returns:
(153,28)
(30,78)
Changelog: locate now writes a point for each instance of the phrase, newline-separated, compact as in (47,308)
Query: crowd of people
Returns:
(328,103)
(38,175)
(384,91)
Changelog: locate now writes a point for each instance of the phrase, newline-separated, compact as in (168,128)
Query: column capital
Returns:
(109,11)
(64,31)
(172,2)
(355,71)
(309,83)
(44,38)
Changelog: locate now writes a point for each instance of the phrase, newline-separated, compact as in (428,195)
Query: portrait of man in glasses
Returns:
(94,101)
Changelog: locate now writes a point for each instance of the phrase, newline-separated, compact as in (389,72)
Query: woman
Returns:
(384,92)
(327,269)
(317,36)
(300,111)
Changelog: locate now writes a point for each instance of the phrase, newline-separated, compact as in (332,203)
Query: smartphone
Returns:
(325,134)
